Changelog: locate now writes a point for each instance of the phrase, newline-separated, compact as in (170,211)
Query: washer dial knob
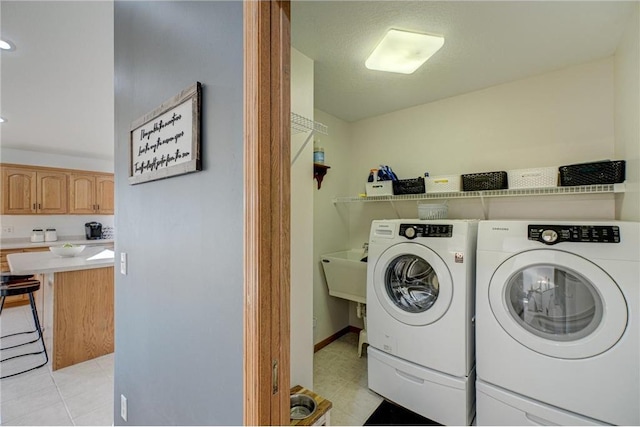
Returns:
(549,236)
(410,233)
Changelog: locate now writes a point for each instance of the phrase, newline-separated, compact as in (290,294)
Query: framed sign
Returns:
(166,141)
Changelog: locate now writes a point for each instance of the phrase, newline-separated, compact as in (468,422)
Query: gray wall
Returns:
(178,357)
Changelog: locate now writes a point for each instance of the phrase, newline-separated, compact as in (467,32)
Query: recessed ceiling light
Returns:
(5,45)
(403,51)
(2,120)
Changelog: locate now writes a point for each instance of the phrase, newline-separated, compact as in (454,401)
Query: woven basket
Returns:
(432,211)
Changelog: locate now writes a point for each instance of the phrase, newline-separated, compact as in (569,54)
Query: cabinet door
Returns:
(104,194)
(82,194)
(18,191)
(52,192)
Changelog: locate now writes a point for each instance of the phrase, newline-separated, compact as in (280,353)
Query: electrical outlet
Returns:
(123,407)
(7,229)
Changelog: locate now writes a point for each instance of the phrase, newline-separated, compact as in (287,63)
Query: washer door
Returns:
(558,304)
(413,284)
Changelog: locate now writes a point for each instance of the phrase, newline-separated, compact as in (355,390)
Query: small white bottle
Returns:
(37,235)
(50,235)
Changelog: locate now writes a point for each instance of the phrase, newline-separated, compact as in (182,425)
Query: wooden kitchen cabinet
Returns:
(105,194)
(33,191)
(91,194)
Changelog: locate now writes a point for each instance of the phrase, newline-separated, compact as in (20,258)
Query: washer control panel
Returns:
(551,234)
(411,231)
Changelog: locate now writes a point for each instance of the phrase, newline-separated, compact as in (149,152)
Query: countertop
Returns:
(47,262)
(75,240)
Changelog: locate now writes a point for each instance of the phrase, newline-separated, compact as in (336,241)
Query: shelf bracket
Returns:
(485,208)
(319,171)
(393,205)
(304,144)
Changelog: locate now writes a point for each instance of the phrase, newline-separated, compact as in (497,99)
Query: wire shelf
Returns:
(300,124)
(514,192)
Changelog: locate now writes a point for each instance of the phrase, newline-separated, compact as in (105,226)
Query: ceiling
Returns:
(60,99)
(57,85)
(486,44)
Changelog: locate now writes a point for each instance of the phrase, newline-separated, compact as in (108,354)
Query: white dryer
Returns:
(557,333)
(420,293)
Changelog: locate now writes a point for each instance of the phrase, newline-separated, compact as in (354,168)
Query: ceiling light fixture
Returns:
(403,51)
(5,45)
(2,120)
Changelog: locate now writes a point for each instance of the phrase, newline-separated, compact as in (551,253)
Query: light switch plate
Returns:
(123,407)
(123,263)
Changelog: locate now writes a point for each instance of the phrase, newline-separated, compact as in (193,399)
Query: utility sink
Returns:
(346,275)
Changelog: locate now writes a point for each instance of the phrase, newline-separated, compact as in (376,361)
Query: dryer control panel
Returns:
(411,231)
(552,234)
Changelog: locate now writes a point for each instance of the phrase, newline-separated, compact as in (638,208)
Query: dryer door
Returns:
(558,304)
(412,283)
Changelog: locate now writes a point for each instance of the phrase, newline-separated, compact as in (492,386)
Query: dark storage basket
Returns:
(409,186)
(608,172)
(484,181)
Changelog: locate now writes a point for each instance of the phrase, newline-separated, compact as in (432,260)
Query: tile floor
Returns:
(341,376)
(81,394)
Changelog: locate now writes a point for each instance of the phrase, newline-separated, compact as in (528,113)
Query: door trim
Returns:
(266,212)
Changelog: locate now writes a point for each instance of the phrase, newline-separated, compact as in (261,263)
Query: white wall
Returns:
(39,158)
(330,226)
(67,227)
(301,227)
(553,119)
(627,115)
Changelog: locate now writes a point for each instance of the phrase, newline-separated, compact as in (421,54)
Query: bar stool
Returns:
(21,285)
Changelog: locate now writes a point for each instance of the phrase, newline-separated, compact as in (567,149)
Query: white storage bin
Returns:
(379,188)
(443,183)
(533,178)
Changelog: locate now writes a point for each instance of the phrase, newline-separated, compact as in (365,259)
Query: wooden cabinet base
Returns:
(83,321)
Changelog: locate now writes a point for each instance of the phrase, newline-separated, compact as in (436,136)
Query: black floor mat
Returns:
(390,414)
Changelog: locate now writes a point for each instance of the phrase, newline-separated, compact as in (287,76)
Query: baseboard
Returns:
(325,342)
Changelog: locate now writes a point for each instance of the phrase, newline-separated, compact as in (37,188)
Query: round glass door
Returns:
(412,283)
(558,304)
(553,302)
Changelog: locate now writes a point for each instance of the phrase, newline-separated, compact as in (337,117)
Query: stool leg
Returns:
(20,333)
(36,320)
(2,304)
(34,312)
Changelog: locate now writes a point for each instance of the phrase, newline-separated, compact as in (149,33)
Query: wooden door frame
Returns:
(267,137)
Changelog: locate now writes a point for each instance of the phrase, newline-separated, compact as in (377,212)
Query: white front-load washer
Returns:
(557,329)
(420,307)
